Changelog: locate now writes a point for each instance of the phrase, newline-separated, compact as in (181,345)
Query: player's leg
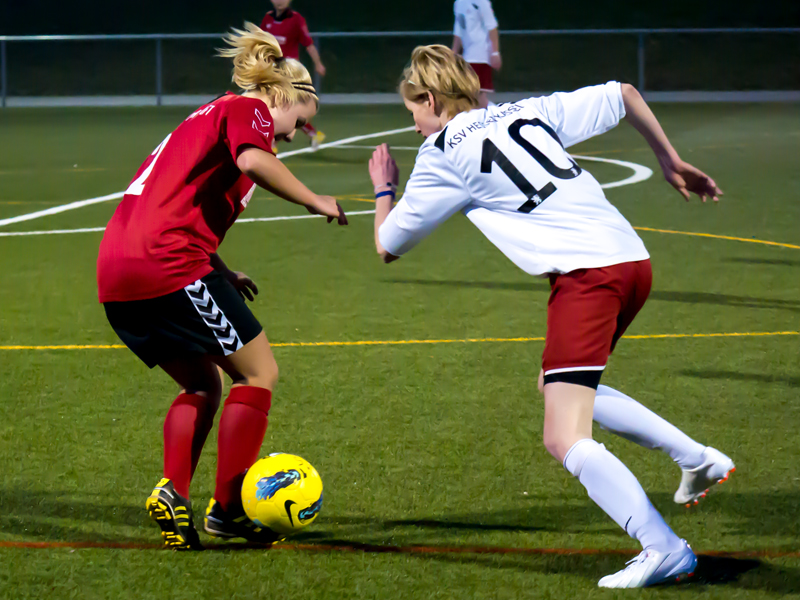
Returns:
(186,428)
(190,417)
(581,324)
(317,137)
(702,466)
(241,432)
(484,73)
(611,485)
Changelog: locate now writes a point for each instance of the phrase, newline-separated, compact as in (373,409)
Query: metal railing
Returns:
(159,38)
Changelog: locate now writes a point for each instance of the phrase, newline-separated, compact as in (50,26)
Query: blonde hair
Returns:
(445,74)
(259,65)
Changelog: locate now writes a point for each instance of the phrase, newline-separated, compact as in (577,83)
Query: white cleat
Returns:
(716,468)
(651,567)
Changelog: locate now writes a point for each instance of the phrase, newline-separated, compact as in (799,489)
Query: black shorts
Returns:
(206,317)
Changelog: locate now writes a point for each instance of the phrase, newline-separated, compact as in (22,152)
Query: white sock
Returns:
(625,417)
(615,489)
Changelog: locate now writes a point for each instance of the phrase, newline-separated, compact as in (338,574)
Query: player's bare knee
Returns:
(265,375)
(556,443)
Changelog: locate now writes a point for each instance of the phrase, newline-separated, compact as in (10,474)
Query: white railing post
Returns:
(3,73)
(317,76)
(640,62)
(159,81)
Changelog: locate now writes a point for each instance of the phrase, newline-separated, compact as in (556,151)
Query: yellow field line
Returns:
(720,237)
(657,336)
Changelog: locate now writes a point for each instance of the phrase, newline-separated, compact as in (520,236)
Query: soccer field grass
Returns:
(436,481)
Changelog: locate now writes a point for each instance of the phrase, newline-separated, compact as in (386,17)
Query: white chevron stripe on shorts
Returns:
(213,317)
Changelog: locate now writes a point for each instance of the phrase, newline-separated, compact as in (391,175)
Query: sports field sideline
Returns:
(412,387)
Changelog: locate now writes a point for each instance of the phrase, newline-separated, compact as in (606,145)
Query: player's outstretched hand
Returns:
(689,180)
(382,167)
(496,61)
(328,206)
(243,284)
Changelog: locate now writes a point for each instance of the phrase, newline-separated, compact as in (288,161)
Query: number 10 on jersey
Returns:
(492,154)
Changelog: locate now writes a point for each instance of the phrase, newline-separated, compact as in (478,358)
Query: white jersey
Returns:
(506,168)
(474,20)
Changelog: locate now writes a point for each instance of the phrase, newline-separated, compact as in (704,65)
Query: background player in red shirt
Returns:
(174,302)
(290,29)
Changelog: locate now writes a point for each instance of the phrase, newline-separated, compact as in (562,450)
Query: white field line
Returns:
(59,209)
(253,220)
(640,173)
(368,147)
(81,203)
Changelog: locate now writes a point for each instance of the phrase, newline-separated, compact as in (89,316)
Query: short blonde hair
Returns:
(445,74)
(258,64)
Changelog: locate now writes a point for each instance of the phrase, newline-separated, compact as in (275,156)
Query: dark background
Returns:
(20,17)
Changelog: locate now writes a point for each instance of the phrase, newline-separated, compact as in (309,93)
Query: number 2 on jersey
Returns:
(493,154)
(137,187)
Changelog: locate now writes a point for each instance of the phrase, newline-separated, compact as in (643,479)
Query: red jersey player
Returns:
(290,29)
(174,302)
(506,168)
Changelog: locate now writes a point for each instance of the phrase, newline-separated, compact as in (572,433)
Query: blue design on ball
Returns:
(308,513)
(269,486)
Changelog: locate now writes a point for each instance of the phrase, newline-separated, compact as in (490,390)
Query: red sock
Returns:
(185,431)
(309,130)
(241,432)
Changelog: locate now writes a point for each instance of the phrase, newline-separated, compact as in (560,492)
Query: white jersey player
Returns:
(507,169)
(476,37)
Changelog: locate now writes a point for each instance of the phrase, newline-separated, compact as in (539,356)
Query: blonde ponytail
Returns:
(259,65)
(439,70)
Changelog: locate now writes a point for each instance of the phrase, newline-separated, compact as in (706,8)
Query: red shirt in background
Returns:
(290,30)
(182,201)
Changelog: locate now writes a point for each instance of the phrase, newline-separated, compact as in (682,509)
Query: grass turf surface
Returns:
(434,445)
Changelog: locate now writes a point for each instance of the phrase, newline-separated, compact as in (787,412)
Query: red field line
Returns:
(377,548)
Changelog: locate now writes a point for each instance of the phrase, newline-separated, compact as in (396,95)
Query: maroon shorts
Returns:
(484,73)
(588,311)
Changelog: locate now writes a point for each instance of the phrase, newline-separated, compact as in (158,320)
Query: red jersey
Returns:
(289,29)
(182,201)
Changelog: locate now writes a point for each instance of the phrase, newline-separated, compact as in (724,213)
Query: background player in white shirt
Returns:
(477,38)
(507,170)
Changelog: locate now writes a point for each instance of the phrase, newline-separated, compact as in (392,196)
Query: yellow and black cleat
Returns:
(235,524)
(173,513)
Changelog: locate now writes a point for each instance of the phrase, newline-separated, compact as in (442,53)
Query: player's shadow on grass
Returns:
(535,285)
(791,381)
(724,300)
(764,261)
(61,517)
(744,573)
(666,296)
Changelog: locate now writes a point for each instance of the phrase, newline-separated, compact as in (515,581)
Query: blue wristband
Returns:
(384,193)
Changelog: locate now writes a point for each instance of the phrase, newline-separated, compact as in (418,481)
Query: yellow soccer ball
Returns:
(282,492)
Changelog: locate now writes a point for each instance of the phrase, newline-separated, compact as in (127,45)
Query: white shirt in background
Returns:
(506,168)
(474,20)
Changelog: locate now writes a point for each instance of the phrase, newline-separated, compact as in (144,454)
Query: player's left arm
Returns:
(314,54)
(495,59)
(243,284)
(433,194)
(681,175)
(308,43)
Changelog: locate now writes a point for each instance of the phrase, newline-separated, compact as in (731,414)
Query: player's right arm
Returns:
(434,193)
(271,174)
